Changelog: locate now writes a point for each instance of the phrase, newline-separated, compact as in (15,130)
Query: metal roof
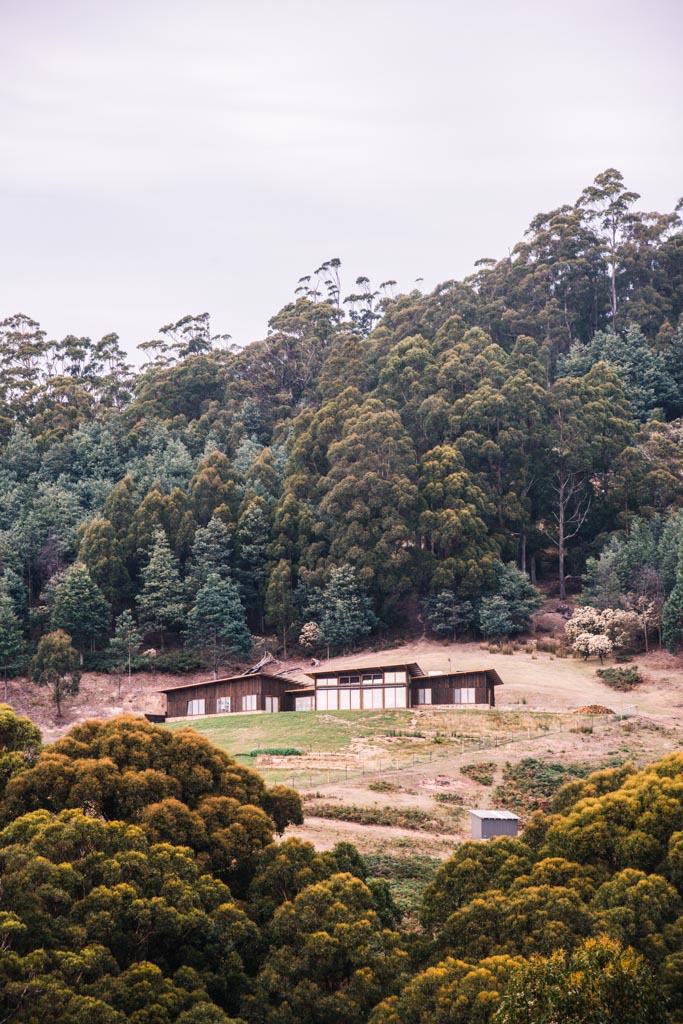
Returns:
(496,815)
(491,672)
(359,669)
(232,679)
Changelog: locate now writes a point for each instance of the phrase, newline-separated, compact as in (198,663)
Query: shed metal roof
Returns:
(495,815)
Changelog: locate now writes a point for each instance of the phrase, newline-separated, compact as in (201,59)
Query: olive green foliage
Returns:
(56,664)
(141,883)
(20,744)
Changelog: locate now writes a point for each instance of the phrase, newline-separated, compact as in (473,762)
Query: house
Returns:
(401,685)
(269,687)
(263,687)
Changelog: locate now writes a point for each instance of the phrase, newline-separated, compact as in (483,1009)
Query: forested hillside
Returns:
(374,448)
(141,884)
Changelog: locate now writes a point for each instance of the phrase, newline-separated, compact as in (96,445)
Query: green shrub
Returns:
(394,817)
(620,678)
(481,773)
(276,752)
(382,786)
(454,799)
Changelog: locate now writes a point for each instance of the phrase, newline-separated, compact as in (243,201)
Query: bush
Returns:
(276,752)
(406,817)
(173,662)
(449,798)
(382,786)
(481,773)
(620,678)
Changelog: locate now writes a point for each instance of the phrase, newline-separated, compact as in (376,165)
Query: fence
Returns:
(453,747)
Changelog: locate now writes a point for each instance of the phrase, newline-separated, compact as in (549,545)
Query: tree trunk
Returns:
(560,542)
(532,568)
(523,553)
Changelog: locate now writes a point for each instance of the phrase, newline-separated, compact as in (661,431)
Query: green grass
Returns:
(334,730)
(307,730)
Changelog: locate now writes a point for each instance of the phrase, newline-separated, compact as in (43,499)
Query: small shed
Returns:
(489,824)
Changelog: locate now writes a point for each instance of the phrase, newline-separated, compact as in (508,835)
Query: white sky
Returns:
(160,157)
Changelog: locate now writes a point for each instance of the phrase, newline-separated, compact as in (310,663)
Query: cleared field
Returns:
(392,781)
(340,745)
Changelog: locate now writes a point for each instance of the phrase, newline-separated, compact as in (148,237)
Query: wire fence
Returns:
(452,747)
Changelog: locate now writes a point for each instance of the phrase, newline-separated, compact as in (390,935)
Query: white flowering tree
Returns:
(593,645)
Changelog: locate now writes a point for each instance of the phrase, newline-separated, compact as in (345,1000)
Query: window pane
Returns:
(355,698)
(456,696)
(344,700)
(401,696)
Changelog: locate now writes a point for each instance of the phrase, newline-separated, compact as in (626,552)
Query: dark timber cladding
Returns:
(252,692)
(401,686)
(474,687)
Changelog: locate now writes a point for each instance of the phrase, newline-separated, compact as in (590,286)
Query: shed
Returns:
(488,824)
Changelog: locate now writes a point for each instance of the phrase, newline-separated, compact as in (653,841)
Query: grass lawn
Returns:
(309,731)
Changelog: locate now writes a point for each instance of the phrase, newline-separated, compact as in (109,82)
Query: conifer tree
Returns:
(126,640)
(281,607)
(672,631)
(211,552)
(347,613)
(12,646)
(216,624)
(161,602)
(80,608)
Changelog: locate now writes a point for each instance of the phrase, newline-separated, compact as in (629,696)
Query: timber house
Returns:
(268,688)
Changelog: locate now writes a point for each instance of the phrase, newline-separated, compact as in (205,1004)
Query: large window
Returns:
(249,702)
(355,699)
(223,704)
(327,681)
(272,703)
(395,697)
(464,695)
(304,703)
(372,698)
(327,700)
(394,677)
(344,700)
(424,696)
(196,707)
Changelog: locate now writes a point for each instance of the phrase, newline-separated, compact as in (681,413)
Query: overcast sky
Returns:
(159,158)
